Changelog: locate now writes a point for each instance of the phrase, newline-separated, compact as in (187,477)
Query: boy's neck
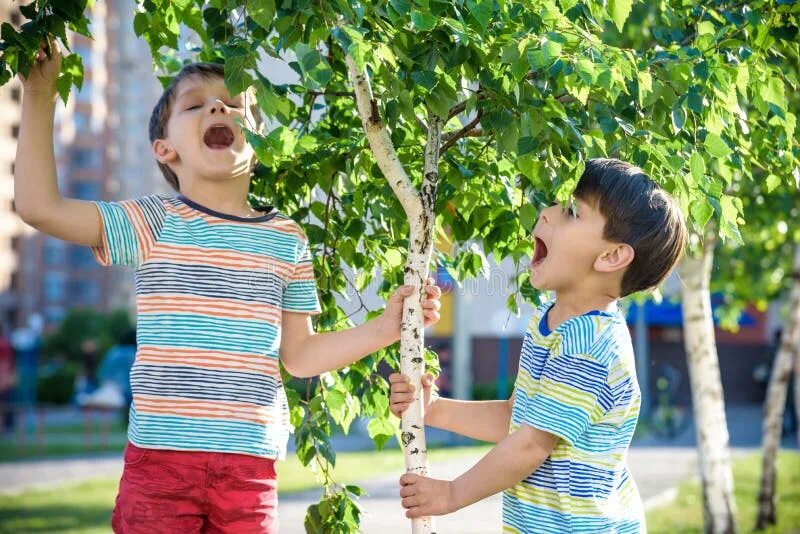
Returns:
(574,304)
(227,196)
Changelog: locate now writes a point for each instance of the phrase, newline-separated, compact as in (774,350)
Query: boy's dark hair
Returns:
(163,108)
(637,212)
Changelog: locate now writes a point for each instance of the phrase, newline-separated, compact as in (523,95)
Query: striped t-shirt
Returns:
(577,382)
(210,290)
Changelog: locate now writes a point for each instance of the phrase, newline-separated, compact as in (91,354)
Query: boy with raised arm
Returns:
(224,292)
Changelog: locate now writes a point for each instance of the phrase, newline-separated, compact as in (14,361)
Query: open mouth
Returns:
(539,252)
(218,136)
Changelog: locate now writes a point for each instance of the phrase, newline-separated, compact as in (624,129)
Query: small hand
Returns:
(45,71)
(430,306)
(423,496)
(402,392)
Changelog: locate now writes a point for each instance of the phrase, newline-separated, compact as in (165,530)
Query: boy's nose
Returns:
(220,106)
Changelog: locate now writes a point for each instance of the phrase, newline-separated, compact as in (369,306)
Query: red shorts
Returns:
(191,492)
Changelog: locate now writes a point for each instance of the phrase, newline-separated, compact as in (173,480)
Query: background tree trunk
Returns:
(709,405)
(776,402)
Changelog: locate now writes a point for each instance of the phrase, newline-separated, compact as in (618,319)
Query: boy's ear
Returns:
(614,258)
(164,151)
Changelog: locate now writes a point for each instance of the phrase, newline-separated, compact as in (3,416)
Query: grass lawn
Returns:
(685,514)
(86,507)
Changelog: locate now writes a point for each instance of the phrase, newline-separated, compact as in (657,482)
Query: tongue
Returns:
(218,137)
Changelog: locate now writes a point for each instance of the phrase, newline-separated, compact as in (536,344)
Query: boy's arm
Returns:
(36,196)
(482,420)
(305,353)
(513,459)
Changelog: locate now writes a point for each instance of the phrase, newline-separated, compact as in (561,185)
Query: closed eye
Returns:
(192,107)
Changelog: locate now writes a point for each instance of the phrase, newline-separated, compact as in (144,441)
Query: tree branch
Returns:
(452,138)
(333,93)
(461,106)
(381,143)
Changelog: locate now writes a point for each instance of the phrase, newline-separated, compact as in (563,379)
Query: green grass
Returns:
(685,514)
(86,507)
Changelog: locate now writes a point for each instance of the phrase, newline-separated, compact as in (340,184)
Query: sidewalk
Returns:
(656,470)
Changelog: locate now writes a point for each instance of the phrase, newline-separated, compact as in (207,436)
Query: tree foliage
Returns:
(695,94)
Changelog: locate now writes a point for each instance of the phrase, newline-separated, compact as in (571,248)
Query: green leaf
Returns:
(527,216)
(620,9)
(774,93)
(425,78)
(482,11)
(71,74)
(380,431)
(701,212)
(716,146)
(772,183)
(140,24)
(316,71)
(678,118)
(423,21)
(262,12)
(697,166)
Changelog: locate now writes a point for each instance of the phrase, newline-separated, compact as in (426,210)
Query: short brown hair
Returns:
(163,108)
(637,212)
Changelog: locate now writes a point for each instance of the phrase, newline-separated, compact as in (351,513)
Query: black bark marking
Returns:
(407,437)
(413,451)
(416,359)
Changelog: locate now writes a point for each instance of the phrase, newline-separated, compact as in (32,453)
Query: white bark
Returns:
(776,402)
(419,208)
(709,405)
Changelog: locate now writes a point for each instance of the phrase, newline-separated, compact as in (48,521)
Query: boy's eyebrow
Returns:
(188,91)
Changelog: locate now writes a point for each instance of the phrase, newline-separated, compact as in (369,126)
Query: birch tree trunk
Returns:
(709,404)
(419,208)
(776,402)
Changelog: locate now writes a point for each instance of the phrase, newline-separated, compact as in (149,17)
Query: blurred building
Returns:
(102,153)
(12,229)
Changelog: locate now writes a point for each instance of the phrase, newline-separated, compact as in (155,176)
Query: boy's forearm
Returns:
(511,461)
(482,420)
(35,184)
(327,351)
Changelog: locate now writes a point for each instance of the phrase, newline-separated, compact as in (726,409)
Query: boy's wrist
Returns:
(431,416)
(39,98)
(385,331)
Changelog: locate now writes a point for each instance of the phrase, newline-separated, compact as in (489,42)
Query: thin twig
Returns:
(462,132)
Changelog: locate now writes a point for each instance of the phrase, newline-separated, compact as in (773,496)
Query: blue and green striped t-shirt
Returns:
(577,382)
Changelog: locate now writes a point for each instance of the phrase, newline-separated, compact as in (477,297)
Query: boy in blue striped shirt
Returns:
(562,438)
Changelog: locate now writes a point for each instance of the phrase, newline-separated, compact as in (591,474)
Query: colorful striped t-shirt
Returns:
(577,382)
(210,290)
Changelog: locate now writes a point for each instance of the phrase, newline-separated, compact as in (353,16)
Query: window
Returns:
(85,158)
(54,286)
(82,258)
(16,94)
(54,252)
(87,91)
(81,122)
(85,292)
(15,131)
(85,190)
